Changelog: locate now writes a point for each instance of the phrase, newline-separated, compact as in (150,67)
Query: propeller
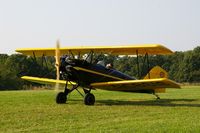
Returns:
(57,65)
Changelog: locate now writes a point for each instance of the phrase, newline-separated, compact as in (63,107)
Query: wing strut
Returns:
(145,65)
(138,67)
(147,56)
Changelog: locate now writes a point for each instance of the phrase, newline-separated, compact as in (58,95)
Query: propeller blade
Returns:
(57,57)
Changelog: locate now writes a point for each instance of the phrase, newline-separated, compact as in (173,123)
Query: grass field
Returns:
(36,111)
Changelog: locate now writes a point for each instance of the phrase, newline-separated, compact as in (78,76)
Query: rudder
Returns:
(157,72)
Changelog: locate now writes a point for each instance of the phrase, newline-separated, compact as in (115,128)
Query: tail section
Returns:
(157,72)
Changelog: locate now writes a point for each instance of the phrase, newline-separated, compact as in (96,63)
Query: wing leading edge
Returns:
(45,80)
(136,85)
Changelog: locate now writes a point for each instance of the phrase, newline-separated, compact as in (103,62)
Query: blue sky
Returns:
(39,23)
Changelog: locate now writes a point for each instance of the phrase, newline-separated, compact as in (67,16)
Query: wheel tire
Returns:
(89,99)
(61,98)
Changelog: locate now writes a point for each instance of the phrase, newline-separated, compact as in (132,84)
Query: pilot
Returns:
(109,66)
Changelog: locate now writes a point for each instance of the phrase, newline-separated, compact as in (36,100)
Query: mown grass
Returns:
(36,111)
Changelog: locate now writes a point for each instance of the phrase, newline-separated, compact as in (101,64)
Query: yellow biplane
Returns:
(79,68)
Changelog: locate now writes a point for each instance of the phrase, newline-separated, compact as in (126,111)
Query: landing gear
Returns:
(89,99)
(157,97)
(61,98)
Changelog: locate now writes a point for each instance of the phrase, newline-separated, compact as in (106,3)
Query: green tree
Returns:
(8,79)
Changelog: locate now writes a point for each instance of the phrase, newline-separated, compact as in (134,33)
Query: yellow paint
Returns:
(160,90)
(132,85)
(44,80)
(157,72)
(151,49)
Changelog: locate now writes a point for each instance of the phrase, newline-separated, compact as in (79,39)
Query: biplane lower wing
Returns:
(45,80)
(136,85)
(127,85)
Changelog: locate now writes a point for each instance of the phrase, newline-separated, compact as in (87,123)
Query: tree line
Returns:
(181,66)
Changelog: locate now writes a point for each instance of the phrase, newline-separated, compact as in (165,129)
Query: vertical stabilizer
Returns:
(157,72)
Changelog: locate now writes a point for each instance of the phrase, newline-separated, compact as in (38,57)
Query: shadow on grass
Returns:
(161,102)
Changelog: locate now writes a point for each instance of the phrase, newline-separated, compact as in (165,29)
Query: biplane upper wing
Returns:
(151,49)
(136,85)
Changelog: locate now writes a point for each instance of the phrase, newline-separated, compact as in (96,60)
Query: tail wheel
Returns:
(89,99)
(61,98)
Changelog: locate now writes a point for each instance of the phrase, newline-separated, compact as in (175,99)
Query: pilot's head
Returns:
(109,66)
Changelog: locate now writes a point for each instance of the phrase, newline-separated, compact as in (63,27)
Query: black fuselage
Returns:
(85,73)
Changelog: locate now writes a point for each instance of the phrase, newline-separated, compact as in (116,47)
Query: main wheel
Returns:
(61,98)
(89,99)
